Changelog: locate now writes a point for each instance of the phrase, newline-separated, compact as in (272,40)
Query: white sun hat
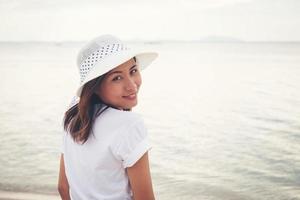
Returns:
(103,54)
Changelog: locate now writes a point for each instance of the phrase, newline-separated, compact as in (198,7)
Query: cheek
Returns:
(105,91)
(111,91)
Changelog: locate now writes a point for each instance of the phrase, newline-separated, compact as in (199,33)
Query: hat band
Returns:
(97,56)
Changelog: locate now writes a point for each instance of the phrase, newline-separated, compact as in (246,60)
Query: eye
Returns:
(117,78)
(134,71)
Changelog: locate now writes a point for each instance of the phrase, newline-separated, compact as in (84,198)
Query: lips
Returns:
(131,96)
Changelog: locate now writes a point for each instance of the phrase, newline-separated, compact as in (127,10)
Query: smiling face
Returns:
(120,86)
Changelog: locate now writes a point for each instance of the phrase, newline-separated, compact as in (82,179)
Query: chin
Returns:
(130,106)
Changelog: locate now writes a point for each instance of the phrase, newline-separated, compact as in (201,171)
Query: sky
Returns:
(150,20)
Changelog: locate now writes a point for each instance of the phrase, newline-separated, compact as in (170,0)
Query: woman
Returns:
(105,145)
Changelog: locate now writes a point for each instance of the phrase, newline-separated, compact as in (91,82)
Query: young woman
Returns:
(105,145)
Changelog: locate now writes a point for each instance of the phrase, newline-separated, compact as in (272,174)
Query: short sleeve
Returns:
(132,144)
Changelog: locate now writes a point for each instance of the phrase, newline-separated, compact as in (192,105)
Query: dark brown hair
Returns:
(79,119)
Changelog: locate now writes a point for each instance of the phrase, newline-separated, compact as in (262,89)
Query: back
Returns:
(96,169)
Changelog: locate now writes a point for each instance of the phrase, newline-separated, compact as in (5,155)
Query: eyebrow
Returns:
(114,72)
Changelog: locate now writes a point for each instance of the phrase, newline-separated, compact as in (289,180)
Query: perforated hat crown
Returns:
(103,54)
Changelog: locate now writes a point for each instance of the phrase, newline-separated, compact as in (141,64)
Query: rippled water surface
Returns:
(223,118)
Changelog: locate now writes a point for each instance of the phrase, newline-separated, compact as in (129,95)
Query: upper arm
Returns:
(62,179)
(140,179)
(63,185)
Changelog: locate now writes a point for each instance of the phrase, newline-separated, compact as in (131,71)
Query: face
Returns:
(120,86)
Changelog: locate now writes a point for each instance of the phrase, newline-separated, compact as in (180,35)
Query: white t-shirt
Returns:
(96,169)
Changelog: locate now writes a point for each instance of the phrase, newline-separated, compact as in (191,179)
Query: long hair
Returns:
(79,119)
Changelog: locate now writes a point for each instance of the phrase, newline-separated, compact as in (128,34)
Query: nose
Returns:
(131,85)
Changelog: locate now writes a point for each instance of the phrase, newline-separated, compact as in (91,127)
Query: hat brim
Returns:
(144,58)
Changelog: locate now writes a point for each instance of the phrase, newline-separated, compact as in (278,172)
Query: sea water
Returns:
(223,118)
